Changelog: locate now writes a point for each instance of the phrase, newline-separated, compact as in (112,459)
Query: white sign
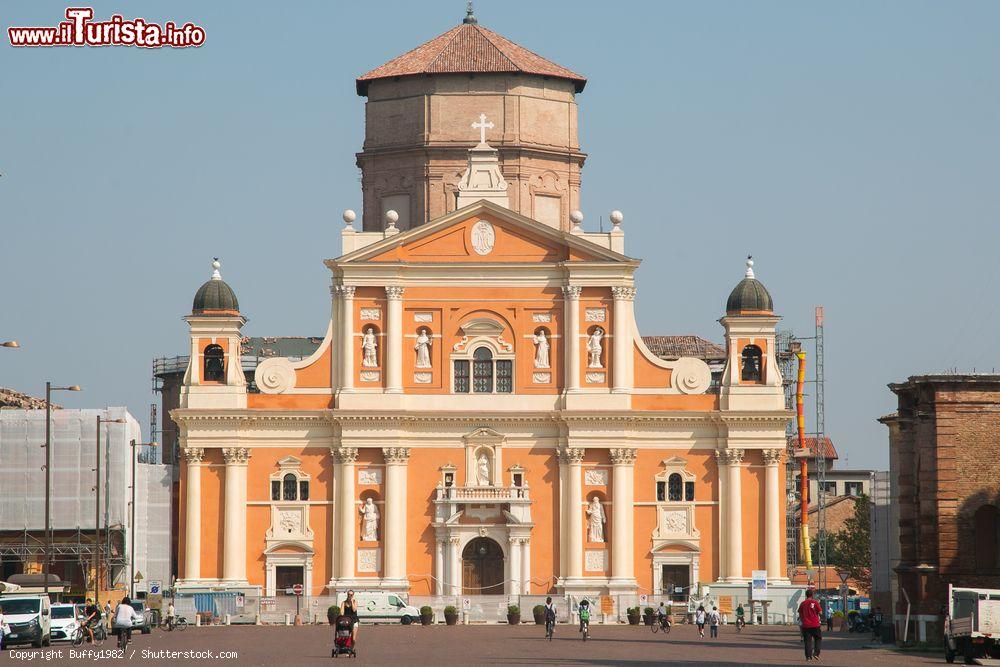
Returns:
(466,604)
(643,600)
(154,587)
(240,600)
(758,585)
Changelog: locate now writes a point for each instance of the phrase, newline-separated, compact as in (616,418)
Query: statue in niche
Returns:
(423,348)
(369,521)
(595,520)
(542,349)
(483,470)
(594,348)
(369,348)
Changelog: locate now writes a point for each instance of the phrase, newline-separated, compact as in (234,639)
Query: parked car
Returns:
(146,623)
(376,606)
(63,621)
(28,618)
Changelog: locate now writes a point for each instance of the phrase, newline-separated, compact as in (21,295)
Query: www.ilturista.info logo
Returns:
(79,30)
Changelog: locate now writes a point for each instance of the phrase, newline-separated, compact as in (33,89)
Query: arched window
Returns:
(751,366)
(987,526)
(215,370)
(675,488)
(482,371)
(290,487)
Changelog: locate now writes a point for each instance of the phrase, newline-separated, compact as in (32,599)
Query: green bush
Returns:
(632,611)
(450,609)
(513,609)
(838,614)
(538,609)
(426,611)
(648,611)
(333,611)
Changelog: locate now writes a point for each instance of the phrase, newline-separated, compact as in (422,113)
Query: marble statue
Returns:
(369,347)
(542,351)
(595,520)
(483,471)
(423,348)
(369,522)
(594,348)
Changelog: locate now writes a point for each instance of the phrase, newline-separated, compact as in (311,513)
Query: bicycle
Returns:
(740,624)
(80,635)
(550,629)
(178,623)
(124,637)
(662,625)
(585,625)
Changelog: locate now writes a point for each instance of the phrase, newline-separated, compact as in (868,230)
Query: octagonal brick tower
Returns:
(418,128)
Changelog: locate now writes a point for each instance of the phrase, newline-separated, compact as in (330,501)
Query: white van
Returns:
(378,606)
(28,620)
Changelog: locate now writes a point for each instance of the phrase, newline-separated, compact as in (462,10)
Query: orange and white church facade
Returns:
(482,416)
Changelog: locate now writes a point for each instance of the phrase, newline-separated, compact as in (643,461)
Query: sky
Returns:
(852,147)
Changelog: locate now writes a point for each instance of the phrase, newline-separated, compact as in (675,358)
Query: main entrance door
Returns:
(674,577)
(482,568)
(285,577)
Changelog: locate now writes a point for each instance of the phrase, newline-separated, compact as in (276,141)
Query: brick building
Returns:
(944,461)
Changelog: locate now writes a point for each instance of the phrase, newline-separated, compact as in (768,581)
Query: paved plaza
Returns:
(492,645)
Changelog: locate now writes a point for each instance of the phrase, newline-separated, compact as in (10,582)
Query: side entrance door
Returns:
(675,576)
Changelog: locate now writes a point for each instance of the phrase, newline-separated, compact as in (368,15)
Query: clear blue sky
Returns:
(852,147)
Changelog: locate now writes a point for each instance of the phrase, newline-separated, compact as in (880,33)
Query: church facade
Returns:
(482,416)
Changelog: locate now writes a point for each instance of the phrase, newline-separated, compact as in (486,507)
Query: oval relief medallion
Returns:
(483,237)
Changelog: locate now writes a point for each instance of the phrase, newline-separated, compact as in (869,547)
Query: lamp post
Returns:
(133,444)
(48,476)
(97,506)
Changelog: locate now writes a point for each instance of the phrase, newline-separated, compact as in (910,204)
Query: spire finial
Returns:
(750,266)
(469,16)
(215,269)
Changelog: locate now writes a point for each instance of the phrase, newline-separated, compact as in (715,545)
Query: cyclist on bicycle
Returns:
(92,616)
(585,616)
(663,616)
(550,617)
(740,617)
(124,615)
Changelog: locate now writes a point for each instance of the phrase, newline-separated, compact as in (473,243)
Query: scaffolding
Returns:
(786,363)
(820,454)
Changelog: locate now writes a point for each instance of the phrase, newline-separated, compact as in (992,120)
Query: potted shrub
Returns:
(513,614)
(426,615)
(450,615)
(632,613)
(332,612)
(647,615)
(538,611)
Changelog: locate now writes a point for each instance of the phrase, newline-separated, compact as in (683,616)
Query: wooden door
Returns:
(482,568)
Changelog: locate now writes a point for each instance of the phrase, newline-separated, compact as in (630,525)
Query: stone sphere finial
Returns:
(576,217)
(215,269)
(391,218)
(349,217)
(616,217)
(749,273)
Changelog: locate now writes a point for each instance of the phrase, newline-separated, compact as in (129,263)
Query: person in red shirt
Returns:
(810,613)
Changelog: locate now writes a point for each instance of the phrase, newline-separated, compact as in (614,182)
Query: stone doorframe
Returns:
(287,554)
(452,538)
(661,558)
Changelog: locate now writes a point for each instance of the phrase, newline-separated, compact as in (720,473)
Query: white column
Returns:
(734,515)
(455,567)
(394,535)
(574,509)
(234,546)
(514,582)
(622,512)
(334,540)
(723,499)
(621,340)
(394,339)
(347,510)
(347,337)
(526,566)
(571,334)
(439,556)
(563,501)
(192,514)
(773,551)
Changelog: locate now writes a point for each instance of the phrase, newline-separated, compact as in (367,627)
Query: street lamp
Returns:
(97,506)
(131,559)
(48,476)
(10,343)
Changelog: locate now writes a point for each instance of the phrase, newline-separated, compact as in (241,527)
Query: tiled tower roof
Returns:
(468,48)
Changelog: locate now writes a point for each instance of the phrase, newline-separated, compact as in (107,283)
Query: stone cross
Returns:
(482,126)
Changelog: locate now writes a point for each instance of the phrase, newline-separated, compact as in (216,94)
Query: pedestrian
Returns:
(829,617)
(810,612)
(699,619)
(877,619)
(3,628)
(107,613)
(713,620)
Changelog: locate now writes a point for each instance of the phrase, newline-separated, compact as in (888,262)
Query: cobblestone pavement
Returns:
(405,646)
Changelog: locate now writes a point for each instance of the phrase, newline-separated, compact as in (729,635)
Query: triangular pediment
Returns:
(483,233)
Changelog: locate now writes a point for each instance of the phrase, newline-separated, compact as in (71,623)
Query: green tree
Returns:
(852,545)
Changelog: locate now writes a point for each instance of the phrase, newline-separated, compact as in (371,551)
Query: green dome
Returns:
(215,294)
(749,296)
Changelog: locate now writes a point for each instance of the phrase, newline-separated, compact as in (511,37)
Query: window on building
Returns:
(830,488)
(290,487)
(689,491)
(304,490)
(449,479)
(275,490)
(462,376)
(505,376)
(853,488)
(674,487)
(986,523)
(482,371)
(661,491)
(751,366)
(215,370)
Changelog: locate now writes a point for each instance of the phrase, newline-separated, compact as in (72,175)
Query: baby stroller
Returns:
(343,641)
